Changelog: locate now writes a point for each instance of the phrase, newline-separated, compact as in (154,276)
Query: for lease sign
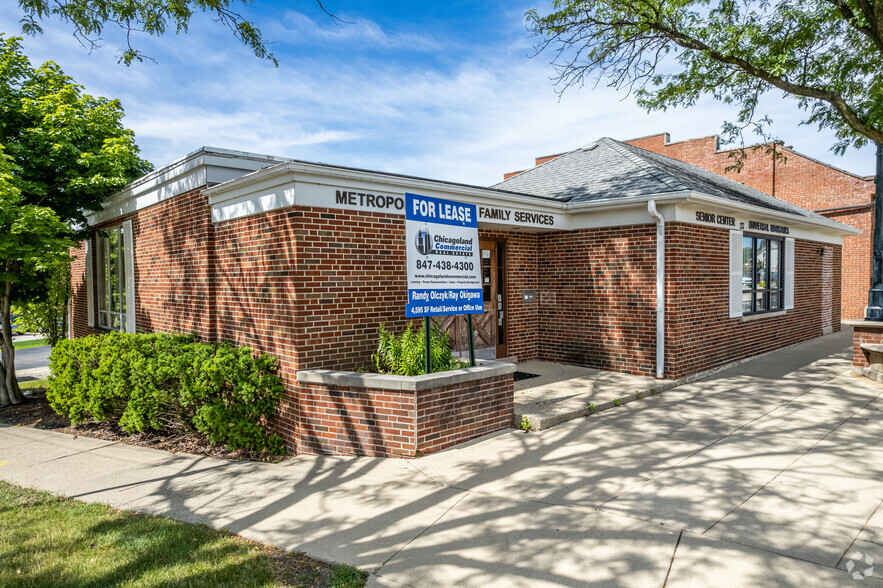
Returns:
(444,266)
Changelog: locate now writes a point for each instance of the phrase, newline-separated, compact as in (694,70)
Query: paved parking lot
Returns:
(769,474)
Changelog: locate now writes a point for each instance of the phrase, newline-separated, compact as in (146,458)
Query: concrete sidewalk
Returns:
(769,474)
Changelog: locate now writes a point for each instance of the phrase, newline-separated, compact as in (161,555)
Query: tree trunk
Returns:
(10,393)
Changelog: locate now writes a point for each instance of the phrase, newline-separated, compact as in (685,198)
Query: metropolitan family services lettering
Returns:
(378,201)
(383,202)
(518,216)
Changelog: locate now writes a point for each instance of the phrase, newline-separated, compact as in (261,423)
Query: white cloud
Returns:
(357,33)
(493,112)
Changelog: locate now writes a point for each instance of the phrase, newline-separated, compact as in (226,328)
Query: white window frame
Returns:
(123,278)
(735,276)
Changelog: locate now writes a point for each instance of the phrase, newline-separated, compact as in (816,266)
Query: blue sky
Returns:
(445,90)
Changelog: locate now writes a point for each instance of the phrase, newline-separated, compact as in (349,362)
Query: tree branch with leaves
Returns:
(89,18)
(828,54)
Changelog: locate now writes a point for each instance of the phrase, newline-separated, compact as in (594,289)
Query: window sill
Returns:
(760,315)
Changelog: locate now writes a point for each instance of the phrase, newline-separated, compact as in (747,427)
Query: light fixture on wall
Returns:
(821,251)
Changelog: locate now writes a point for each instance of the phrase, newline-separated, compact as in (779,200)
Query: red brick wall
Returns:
(393,423)
(699,333)
(798,179)
(309,286)
(597,294)
(857,261)
(355,421)
(598,291)
(864,334)
(79,319)
(174,266)
(801,181)
(455,414)
(174,275)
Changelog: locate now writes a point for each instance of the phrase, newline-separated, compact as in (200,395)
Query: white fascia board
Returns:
(622,212)
(320,174)
(741,216)
(129,201)
(203,167)
(676,207)
(827,225)
(302,184)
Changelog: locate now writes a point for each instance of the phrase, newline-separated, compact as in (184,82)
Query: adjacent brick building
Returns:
(304,261)
(784,173)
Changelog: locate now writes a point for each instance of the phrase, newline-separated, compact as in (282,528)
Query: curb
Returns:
(538,423)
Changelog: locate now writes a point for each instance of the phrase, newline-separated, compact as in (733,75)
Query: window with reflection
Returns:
(763,260)
(111,279)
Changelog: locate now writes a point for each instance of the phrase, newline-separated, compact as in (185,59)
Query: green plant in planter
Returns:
(404,354)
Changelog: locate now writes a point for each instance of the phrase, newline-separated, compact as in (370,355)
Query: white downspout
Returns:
(660,287)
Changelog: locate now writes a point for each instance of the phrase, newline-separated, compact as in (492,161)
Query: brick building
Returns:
(304,261)
(798,179)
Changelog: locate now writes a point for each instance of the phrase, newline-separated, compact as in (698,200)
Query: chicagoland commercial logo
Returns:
(423,241)
(860,565)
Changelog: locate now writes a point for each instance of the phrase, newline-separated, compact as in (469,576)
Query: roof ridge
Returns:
(644,163)
(738,186)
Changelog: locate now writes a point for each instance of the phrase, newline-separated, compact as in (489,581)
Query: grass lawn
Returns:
(46,540)
(28,344)
(33,384)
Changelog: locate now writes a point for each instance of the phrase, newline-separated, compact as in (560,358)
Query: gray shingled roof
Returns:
(610,169)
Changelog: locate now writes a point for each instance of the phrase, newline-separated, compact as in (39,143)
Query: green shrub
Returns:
(404,355)
(168,382)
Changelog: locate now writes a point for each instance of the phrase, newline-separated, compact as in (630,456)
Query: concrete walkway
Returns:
(560,392)
(770,474)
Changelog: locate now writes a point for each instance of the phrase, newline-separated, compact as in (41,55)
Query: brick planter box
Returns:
(867,337)
(351,413)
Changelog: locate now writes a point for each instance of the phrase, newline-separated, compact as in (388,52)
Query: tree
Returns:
(43,309)
(31,237)
(62,153)
(828,54)
(153,17)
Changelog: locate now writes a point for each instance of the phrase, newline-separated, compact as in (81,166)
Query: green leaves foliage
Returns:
(168,382)
(827,54)
(404,355)
(70,149)
(153,17)
(46,312)
(62,153)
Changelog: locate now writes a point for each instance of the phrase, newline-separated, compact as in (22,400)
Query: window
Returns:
(763,260)
(115,280)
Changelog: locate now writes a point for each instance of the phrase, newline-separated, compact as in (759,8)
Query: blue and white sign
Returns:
(444,264)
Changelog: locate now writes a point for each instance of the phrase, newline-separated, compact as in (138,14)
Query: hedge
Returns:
(168,382)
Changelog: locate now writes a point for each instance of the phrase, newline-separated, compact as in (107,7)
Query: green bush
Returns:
(404,355)
(168,382)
